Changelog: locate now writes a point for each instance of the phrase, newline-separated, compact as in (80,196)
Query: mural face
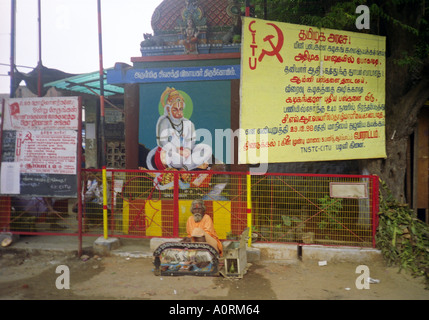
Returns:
(179,123)
(187,101)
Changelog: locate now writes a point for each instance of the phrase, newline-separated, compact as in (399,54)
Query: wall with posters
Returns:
(40,146)
(324,90)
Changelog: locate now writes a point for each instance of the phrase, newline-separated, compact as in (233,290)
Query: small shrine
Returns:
(193,27)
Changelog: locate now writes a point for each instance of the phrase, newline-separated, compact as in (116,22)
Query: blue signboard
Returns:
(227,72)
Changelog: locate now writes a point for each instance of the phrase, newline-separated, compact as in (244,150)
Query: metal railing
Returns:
(288,208)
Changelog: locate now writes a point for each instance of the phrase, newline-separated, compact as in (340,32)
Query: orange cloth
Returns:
(206,224)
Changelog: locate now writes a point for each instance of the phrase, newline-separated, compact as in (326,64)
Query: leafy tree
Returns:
(405,25)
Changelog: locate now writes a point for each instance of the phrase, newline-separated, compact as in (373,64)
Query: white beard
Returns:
(167,113)
(198,217)
(174,120)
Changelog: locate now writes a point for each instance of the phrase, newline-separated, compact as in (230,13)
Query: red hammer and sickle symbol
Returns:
(276,48)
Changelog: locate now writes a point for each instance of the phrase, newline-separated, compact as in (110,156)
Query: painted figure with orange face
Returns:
(175,136)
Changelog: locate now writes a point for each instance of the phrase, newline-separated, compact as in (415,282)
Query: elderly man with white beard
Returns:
(200,227)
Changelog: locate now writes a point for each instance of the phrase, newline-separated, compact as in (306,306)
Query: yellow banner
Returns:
(310,94)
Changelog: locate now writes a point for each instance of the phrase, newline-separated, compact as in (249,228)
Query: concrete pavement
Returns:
(143,248)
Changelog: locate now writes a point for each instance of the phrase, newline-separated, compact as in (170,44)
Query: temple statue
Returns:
(190,41)
(194,27)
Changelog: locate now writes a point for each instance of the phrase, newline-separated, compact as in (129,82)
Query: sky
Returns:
(70,34)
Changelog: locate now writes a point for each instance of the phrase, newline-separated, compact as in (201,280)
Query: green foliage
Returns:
(378,11)
(288,220)
(412,61)
(342,15)
(330,216)
(402,238)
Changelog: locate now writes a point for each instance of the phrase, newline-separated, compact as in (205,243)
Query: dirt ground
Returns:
(25,276)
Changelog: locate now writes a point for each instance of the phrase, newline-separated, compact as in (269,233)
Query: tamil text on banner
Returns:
(310,94)
(40,146)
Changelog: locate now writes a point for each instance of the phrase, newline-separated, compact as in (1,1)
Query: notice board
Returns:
(310,94)
(40,146)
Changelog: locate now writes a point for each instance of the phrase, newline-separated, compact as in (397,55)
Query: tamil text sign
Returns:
(40,146)
(310,94)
